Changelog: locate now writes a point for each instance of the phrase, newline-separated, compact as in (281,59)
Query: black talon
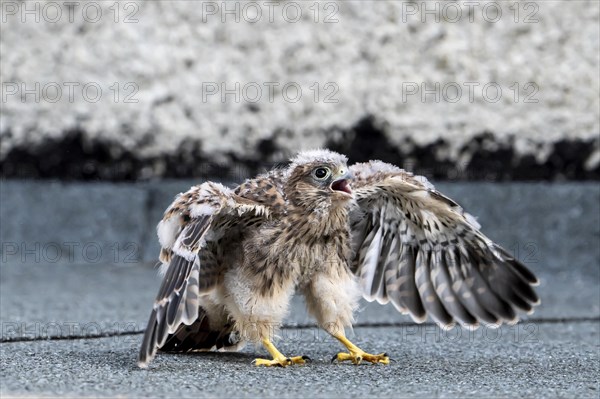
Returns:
(306,358)
(385,354)
(334,358)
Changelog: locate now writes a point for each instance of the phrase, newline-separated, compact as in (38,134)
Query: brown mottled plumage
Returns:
(232,259)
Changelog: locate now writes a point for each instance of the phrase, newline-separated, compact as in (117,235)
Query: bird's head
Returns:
(319,177)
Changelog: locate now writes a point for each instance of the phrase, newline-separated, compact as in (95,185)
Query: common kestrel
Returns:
(233,258)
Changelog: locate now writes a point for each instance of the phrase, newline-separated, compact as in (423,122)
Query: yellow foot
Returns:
(358,356)
(281,361)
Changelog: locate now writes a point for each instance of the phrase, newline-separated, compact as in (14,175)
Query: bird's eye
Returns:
(321,173)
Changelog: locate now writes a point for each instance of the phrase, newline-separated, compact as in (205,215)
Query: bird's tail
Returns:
(197,336)
(200,336)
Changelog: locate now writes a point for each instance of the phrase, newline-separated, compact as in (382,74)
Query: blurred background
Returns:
(133,90)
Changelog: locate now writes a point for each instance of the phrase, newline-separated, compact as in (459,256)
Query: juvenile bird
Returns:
(233,258)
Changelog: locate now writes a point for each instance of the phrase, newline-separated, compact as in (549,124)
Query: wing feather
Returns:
(407,294)
(378,289)
(474,279)
(442,284)
(369,258)
(464,293)
(426,255)
(190,269)
(432,303)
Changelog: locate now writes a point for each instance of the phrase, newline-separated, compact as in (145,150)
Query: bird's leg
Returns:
(278,358)
(357,355)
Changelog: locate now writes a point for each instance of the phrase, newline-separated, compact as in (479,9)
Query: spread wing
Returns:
(195,220)
(418,249)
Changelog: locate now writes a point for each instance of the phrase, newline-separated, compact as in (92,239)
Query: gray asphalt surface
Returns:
(74,329)
(530,360)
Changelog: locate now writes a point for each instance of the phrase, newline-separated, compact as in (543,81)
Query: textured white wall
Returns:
(172,51)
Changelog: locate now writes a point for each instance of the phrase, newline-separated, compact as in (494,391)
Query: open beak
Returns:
(342,182)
